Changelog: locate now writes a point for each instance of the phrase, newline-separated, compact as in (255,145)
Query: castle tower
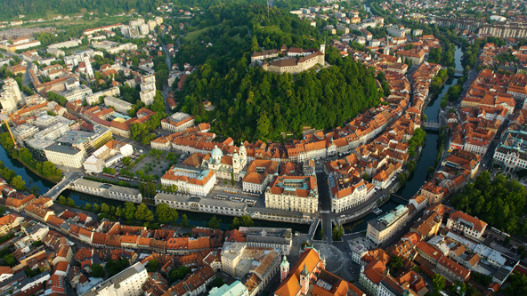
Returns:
(304,281)
(323,48)
(284,269)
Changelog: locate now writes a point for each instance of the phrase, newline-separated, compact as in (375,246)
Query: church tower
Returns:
(323,48)
(304,281)
(236,162)
(284,269)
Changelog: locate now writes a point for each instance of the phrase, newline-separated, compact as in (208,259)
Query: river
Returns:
(195,219)
(412,186)
(426,160)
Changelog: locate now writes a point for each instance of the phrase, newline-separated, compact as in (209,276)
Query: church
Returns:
(310,278)
(224,166)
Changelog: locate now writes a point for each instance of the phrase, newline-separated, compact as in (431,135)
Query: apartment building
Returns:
(381,229)
(128,282)
(293,193)
(64,155)
(470,227)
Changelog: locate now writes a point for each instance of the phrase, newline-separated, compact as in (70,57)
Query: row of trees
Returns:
(12,178)
(46,169)
(417,140)
(501,202)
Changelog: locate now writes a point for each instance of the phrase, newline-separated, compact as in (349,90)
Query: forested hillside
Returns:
(254,104)
(39,8)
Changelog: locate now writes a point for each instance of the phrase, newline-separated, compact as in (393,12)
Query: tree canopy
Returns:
(500,202)
(252,103)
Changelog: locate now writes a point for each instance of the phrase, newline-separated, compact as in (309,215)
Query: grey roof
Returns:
(202,200)
(62,149)
(267,234)
(107,187)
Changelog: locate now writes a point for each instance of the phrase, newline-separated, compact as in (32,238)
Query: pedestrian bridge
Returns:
(431,126)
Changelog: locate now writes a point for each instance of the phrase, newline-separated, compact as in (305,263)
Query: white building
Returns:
(511,153)
(346,195)
(259,174)
(107,155)
(78,92)
(177,122)
(94,98)
(381,229)
(470,227)
(66,44)
(293,193)
(148,89)
(202,204)
(193,182)
(108,190)
(128,282)
(118,104)
(64,155)
(10,96)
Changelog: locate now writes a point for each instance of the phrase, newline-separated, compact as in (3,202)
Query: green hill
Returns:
(254,104)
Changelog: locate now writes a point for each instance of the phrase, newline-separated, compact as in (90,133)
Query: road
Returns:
(167,88)
(54,192)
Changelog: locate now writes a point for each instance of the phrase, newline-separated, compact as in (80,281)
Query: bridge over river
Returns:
(66,183)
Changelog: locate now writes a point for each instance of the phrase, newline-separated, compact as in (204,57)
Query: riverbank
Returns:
(9,147)
(53,180)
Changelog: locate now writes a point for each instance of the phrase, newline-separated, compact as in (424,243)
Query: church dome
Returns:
(216,152)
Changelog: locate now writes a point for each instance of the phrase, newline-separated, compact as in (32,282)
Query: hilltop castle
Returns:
(289,60)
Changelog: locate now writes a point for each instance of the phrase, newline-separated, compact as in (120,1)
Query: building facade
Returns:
(293,193)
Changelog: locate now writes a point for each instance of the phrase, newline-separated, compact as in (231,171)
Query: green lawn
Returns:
(194,35)
(270,29)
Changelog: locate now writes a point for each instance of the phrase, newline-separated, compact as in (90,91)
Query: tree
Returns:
(118,212)
(70,202)
(438,283)
(152,265)
(96,208)
(159,103)
(10,260)
(396,264)
(97,270)
(218,282)
(114,267)
(254,44)
(18,183)
(88,207)
(517,284)
(165,214)
(62,200)
(142,213)
(244,220)
(179,273)
(129,211)
(501,202)
(214,222)
(105,208)
(184,220)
